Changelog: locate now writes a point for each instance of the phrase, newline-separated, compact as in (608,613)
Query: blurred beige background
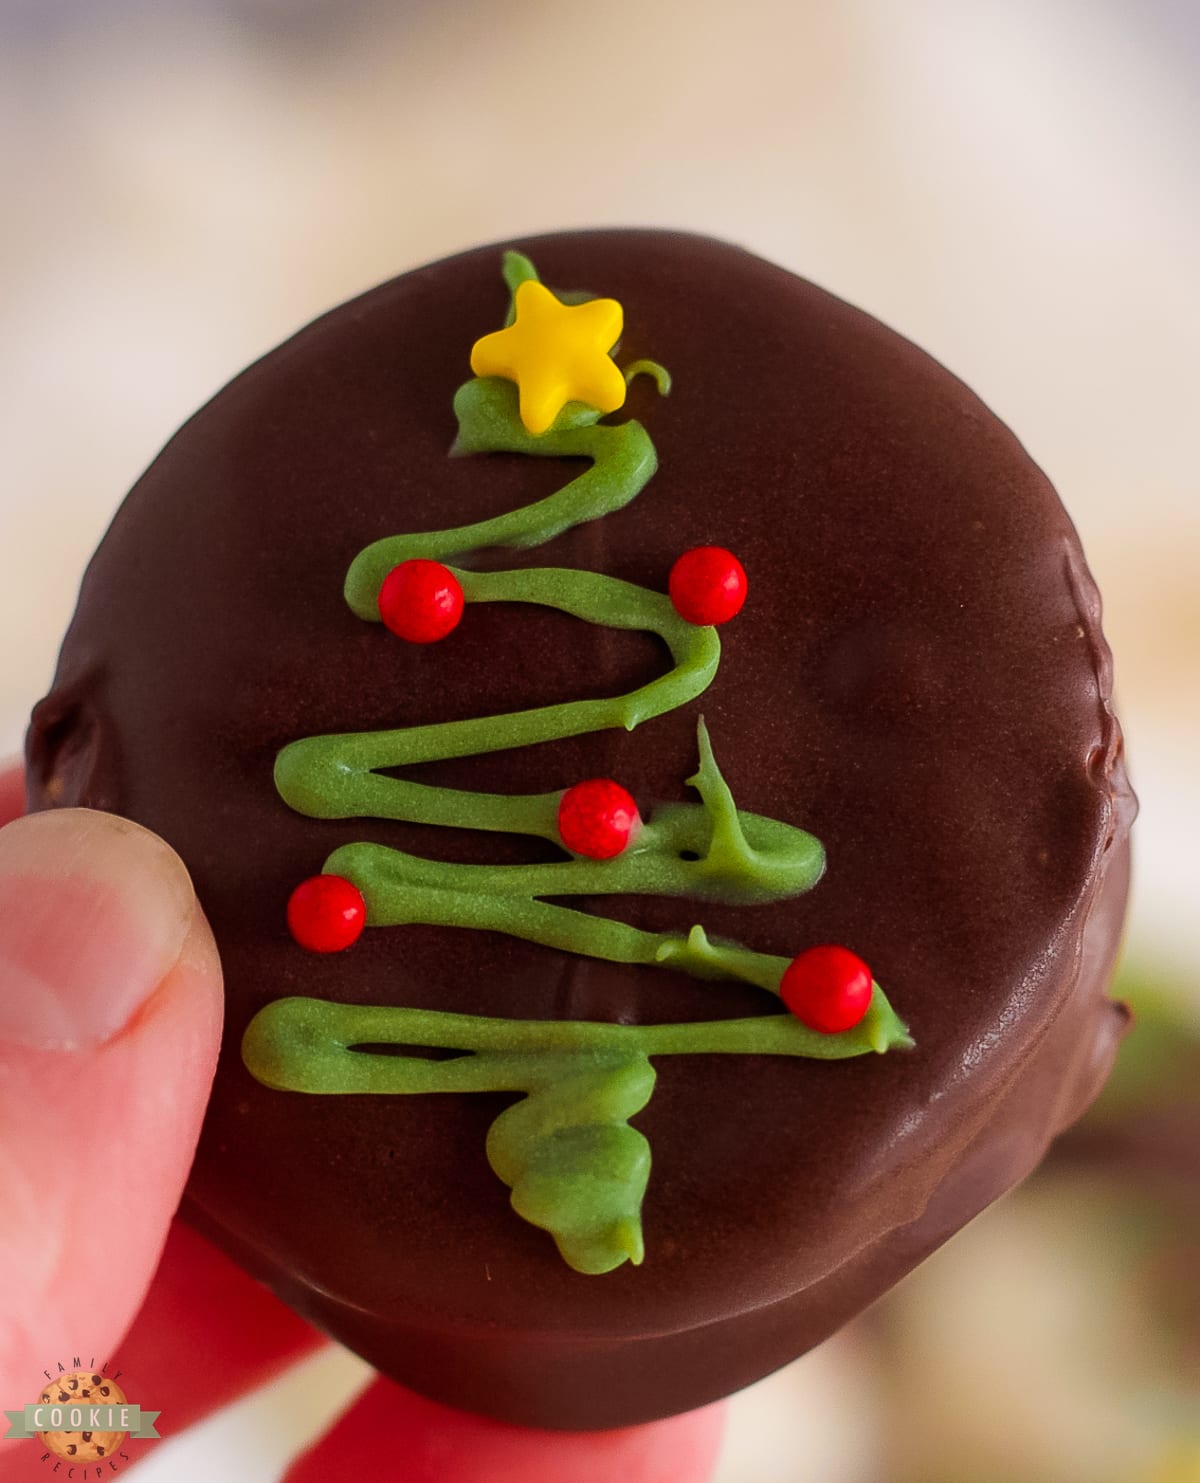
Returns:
(1013,185)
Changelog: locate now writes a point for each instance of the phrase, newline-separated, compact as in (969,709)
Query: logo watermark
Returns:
(82,1416)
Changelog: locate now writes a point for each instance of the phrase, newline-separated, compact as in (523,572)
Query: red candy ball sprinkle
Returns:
(597,819)
(707,585)
(421,601)
(326,913)
(827,988)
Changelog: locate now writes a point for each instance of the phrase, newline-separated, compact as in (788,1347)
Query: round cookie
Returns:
(917,681)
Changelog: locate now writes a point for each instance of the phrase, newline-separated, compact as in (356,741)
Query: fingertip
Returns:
(110,1020)
(94,911)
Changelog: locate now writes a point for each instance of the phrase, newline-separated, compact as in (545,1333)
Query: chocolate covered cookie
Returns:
(641,733)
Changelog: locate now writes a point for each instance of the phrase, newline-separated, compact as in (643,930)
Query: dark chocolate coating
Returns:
(918,678)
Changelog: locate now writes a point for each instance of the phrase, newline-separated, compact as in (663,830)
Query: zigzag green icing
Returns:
(575,1166)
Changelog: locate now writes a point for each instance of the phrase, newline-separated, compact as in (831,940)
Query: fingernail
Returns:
(93,915)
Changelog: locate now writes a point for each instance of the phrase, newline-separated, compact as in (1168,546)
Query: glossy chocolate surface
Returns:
(918,678)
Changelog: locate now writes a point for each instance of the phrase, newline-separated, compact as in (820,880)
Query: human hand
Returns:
(110,1021)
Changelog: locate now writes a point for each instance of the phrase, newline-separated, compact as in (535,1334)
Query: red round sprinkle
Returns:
(827,988)
(326,913)
(707,585)
(421,601)
(597,818)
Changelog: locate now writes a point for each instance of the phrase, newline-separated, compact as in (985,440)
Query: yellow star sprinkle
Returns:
(556,353)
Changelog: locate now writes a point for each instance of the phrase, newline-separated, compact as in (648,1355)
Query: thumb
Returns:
(110,1019)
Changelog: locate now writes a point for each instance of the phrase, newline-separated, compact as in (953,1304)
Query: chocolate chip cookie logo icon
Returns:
(83,1416)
